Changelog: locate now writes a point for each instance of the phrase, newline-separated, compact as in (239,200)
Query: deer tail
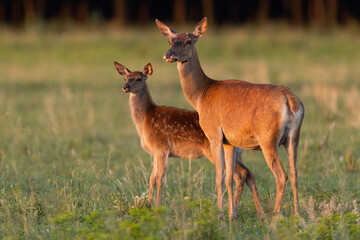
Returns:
(295,104)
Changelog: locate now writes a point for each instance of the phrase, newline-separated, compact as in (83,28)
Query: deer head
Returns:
(134,81)
(182,45)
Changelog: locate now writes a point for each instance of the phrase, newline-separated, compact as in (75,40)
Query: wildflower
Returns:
(186,198)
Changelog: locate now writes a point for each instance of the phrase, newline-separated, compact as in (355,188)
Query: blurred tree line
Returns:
(323,13)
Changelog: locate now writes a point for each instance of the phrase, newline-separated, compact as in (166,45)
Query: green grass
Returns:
(71,164)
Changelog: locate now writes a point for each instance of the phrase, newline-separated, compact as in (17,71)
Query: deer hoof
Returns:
(232,216)
(221,217)
(261,215)
(149,204)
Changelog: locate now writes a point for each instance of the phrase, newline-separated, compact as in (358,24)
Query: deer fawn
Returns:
(246,115)
(172,132)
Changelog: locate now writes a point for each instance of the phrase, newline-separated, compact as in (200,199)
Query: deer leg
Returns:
(218,157)
(272,159)
(291,151)
(152,184)
(229,168)
(161,163)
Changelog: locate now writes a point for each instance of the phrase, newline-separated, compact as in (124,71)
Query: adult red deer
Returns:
(246,115)
(172,132)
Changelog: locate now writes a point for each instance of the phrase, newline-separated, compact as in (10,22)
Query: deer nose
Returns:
(169,54)
(126,88)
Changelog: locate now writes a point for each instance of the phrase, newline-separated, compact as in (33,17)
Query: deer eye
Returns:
(188,41)
(138,79)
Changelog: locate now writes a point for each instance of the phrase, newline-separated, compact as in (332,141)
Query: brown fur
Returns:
(173,132)
(247,115)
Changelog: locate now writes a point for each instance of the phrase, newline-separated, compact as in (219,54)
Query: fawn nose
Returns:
(126,88)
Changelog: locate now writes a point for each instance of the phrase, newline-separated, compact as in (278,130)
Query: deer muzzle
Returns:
(170,56)
(126,88)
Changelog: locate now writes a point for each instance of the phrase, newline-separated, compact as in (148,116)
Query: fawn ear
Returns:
(121,69)
(165,30)
(148,70)
(201,27)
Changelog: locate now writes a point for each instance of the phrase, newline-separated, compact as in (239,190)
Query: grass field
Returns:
(71,165)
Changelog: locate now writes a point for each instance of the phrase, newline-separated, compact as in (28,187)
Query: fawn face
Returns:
(181,44)
(134,81)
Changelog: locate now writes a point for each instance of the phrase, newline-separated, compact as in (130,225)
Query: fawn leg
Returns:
(152,183)
(161,163)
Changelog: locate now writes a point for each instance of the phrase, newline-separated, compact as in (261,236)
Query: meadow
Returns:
(71,164)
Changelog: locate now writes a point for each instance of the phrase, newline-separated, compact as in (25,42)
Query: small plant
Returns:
(144,223)
(206,223)
(63,224)
(141,223)
(98,225)
(334,226)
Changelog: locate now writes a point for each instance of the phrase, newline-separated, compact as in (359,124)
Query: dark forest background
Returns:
(322,13)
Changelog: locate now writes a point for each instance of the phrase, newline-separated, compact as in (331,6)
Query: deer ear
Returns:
(165,30)
(201,27)
(121,69)
(148,70)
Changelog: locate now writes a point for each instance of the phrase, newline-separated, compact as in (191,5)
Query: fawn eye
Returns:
(138,79)
(188,42)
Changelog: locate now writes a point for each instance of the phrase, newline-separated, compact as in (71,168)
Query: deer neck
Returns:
(140,105)
(194,82)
